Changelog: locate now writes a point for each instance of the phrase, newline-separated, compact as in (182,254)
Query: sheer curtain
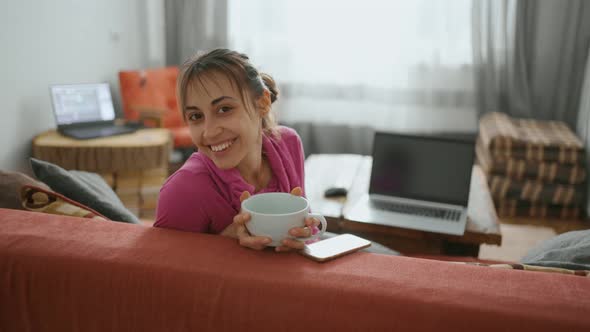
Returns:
(393,65)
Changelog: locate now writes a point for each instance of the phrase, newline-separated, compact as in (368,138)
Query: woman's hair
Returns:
(237,67)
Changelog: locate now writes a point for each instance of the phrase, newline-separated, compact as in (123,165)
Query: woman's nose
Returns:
(212,129)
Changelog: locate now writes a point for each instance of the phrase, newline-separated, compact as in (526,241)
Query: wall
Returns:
(61,41)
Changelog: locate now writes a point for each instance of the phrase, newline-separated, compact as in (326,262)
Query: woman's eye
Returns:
(224,109)
(194,117)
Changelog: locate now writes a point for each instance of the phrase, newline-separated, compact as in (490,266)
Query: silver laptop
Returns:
(85,111)
(418,182)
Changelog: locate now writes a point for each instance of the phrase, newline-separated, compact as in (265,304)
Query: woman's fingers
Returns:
(289,244)
(242,218)
(247,240)
(254,242)
(282,249)
(304,231)
(297,191)
(244,196)
(300,231)
(310,221)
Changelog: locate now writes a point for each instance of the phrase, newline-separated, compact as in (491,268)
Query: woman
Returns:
(226,103)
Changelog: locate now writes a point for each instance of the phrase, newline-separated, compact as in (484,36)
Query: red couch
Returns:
(68,274)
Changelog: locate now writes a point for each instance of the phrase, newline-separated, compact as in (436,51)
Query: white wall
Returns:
(66,41)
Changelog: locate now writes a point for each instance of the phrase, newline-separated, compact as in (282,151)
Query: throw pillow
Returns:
(569,250)
(87,188)
(10,188)
(43,200)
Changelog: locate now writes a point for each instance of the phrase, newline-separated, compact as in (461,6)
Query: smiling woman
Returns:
(226,104)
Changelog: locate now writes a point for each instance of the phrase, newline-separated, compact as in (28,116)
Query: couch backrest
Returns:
(68,274)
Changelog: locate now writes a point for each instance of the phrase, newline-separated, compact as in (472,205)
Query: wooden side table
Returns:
(135,165)
(353,172)
(144,149)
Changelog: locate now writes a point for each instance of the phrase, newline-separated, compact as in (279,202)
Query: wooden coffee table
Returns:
(353,172)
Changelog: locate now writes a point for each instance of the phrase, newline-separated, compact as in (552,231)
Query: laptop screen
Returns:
(79,103)
(421,167)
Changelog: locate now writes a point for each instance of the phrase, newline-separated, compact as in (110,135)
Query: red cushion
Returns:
(182,137)
(57,274)
(154,89)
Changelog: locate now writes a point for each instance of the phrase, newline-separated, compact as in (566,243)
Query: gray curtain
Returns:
(529,56)
(583,122)
(194,25)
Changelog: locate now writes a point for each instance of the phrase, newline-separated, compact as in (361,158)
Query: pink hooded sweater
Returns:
(200,197)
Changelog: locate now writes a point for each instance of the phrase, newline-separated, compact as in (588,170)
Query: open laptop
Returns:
(418,182)
(85,111)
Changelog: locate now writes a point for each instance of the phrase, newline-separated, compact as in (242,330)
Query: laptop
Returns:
(85,111)
(418,182)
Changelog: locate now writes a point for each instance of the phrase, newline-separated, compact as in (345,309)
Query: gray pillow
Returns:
(569,250)
(87,188)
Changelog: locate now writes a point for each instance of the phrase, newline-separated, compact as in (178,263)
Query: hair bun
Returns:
(271,85)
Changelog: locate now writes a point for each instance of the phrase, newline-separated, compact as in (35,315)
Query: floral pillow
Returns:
(42,200)
(11,184)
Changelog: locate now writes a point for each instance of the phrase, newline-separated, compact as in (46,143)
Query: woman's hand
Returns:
(306,231)
(237,230)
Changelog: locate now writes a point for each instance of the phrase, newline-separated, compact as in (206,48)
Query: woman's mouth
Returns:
(222,146)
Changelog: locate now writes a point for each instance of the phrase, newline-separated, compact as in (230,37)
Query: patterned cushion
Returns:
(533,191)
(520,169)
(10,187)
(509,208)
(529,139)
(42,200)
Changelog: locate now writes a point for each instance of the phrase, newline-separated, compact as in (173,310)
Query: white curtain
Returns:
(387,64)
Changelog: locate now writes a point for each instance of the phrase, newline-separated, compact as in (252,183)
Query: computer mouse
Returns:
(335,192)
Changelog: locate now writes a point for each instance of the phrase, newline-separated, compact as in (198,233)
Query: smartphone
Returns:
(336,246)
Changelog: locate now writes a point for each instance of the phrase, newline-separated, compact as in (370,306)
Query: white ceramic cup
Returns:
(274,214)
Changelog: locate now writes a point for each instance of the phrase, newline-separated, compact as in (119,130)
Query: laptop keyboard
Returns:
(93,132)
(439,213)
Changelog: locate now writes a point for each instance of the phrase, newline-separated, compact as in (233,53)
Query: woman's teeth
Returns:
(221,147)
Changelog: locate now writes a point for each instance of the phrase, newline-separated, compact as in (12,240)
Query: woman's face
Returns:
(221,125)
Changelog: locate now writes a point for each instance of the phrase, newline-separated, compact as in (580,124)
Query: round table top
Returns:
(148,137)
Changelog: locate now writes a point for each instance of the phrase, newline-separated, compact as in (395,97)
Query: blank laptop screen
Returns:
(423,168)
(80,103)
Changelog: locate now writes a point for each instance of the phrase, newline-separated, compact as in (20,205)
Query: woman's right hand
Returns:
(237,230)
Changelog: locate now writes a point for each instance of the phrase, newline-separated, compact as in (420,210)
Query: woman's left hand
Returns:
(306,231)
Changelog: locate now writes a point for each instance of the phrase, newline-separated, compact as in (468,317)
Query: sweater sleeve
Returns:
(180,203)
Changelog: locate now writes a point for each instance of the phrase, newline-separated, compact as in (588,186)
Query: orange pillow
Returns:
(151,90)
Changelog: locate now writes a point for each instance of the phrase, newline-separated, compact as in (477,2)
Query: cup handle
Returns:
(322,230)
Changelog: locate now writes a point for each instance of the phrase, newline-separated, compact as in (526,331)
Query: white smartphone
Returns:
(336,246)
